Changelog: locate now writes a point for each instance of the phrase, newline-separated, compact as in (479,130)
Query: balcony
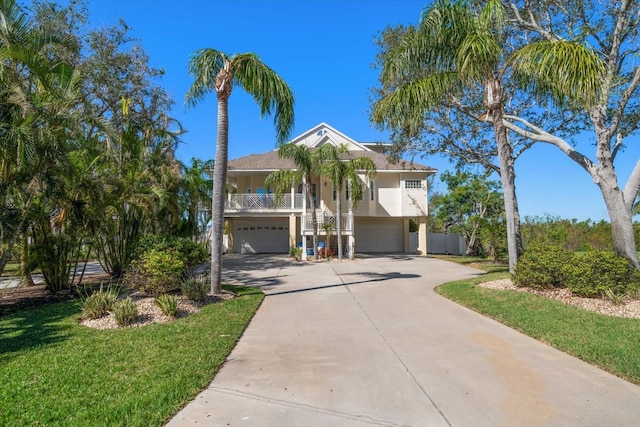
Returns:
(236,203)
(346,223)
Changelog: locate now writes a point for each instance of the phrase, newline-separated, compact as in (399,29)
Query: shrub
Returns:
(156,272)
(125,311)
(190,252)
(615,298)
(295,253)
(195,289)
(543,266)
(599,273)
(168,304)
(99,303)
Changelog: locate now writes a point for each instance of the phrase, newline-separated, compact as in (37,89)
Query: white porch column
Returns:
(230,227)
(351,243)
(405,234)
(351,238)
(422,236)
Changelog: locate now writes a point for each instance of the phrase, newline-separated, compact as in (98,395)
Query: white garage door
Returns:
(379,235)
(261,236)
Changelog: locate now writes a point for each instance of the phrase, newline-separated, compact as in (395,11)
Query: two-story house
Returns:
(261,222)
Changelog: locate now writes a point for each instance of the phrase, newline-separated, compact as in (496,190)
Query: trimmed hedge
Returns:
(591,274)
(542,266)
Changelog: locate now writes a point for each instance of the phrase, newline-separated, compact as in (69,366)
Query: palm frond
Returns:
(299,154)
(408,103)
(565,71)
(493,16)
(268,89)
(477,56)
(282,180)
(204,66)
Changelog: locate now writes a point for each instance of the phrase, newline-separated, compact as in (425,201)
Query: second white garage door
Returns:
(379,235)
(261,236)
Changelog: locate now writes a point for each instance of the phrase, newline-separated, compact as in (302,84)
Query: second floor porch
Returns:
(263,202)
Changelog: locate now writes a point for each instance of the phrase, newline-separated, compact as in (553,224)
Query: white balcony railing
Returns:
(346,223)
(261,202)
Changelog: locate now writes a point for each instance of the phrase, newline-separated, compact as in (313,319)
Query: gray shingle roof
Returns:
(271,161)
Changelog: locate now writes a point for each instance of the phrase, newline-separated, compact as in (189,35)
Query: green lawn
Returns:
(55,372)
(611,343)
(11,269)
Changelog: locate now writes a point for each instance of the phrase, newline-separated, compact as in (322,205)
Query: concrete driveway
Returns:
(368,342)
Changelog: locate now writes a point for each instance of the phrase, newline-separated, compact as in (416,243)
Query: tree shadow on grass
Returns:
(29,329)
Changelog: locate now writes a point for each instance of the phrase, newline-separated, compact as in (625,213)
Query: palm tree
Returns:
(194,193)
(217,71)
(457,49)
(307,163)
(342,168)
(38,111)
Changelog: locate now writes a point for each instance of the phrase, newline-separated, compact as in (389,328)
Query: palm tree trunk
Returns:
(339,221)
(314,219)
(217,203)
(25,271)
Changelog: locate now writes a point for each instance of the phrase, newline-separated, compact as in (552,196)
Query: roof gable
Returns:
(316,137)
(324,134)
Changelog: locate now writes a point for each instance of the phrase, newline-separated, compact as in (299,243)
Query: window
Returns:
(413,184)
(372,191)
(334,193)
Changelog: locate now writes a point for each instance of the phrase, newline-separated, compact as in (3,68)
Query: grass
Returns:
(608,342)
(56,372)
(11,269)
(476,262)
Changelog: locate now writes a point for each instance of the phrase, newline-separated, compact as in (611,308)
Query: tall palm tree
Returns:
(216,71)
(457,49)
(307,164)
(342,168)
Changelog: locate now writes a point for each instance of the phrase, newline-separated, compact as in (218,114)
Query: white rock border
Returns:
(629,308)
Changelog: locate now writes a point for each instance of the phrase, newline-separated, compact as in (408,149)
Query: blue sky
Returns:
(324,51)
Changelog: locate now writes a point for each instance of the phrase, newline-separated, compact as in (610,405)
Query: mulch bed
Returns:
(13,300)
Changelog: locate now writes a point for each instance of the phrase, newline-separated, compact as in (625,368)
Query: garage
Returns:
(261,236)
(379,235)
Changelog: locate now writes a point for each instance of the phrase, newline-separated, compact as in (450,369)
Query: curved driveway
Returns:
(369,343)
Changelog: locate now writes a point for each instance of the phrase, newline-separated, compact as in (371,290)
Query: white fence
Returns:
(440,243)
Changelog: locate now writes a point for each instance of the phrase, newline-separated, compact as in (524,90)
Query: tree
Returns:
(133,190)
(73,166)
(38,114)
(217,71)
(307,164)
(471,203)
(341,167)
(613,28)
(134,140)
(458,53)
(195,198)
